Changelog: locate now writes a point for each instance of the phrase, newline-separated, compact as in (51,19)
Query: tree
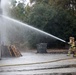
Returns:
(40,15)
(53,16)
(69,5)
(52,20)
(18,11)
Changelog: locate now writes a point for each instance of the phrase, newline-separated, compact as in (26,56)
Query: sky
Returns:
(26,1)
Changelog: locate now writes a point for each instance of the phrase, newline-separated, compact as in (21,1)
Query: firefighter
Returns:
(72,47)
(74,52)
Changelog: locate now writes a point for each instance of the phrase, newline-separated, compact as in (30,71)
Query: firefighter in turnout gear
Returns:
(74,51)
(72,48)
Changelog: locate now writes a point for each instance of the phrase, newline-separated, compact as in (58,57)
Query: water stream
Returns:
(30,27)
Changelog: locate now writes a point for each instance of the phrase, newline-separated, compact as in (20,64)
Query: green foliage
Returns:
(56,17)
(52,20)
(18,12)
(40,15)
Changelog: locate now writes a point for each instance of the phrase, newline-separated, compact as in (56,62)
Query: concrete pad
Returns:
(32,63)
(40,72)
(28,58)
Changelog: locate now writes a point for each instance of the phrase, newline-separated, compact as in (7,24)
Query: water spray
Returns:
(0,8)
(29,26)
(24,24)
(0,32)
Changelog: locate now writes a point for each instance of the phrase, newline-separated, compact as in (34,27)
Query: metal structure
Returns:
(42,48)
(0,32)
(0,8)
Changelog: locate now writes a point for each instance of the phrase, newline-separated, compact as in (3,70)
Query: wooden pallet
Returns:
(14,51)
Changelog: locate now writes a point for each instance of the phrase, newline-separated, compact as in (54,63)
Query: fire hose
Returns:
(36,62)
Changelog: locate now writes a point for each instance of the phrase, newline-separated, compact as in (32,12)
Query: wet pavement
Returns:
(32,63)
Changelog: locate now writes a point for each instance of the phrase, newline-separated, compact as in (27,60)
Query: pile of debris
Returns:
(7,51)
